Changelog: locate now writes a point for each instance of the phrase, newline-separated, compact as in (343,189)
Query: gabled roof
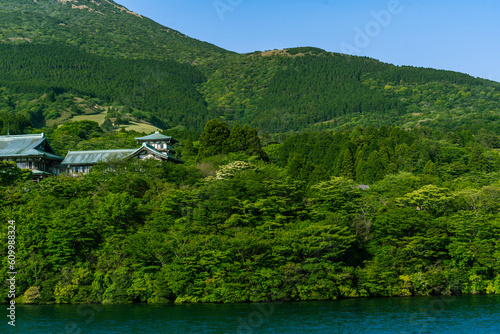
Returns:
(150,149)
(27,145)
(157,136)
(93,157)
(76,158)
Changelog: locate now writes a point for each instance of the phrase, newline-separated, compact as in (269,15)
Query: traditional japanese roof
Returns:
(75,158)
(33,145)
(151,150)
(93,157)
(157,136)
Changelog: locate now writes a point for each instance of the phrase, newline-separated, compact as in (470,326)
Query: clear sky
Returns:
(458,35)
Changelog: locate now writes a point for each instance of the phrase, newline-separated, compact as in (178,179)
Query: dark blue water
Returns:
(452,314)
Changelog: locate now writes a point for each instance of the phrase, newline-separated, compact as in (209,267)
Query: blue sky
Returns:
(458,35)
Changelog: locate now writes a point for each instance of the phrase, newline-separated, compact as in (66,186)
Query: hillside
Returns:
(164,90)
(100,50)
(100,26)
(295,89)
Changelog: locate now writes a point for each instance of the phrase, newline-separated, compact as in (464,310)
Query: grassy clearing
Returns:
(99,118)
(139,127)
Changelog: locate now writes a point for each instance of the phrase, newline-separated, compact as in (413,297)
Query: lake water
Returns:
(452,314)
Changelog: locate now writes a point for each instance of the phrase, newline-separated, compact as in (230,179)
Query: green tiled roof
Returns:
(157,136)
(152,150)
(27,145)
(93,157)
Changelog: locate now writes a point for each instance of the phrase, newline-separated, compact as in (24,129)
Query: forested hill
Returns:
(99,49)
(164,89)
(288,90)
(294,90)
(100,26)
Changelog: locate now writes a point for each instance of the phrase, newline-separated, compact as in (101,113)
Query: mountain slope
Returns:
(100,26)
(291,90)
(276,91)
(165,89)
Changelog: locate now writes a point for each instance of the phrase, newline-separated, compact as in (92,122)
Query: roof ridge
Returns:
(94,151)
(32,135)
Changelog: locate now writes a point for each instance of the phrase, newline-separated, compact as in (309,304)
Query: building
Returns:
(155,146)
(77,162)
(159,142)
(30,152)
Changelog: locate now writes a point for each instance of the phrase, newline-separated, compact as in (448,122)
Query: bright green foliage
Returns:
(429,198)
(338,195)
(430,169)
(149,232)
(426,220)
(10,173)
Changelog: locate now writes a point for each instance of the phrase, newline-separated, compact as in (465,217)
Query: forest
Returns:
(164,89)
(365,212)
(309,175)
(277,94)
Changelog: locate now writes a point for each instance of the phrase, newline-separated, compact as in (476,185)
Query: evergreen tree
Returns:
(477,160)
(10,173)
(188,147)
(361,167)
(252,143)
(107,126)
(294,166)
(236,141)
(430,169)
(213,140)
(319,174)
(347,168)
(374,168)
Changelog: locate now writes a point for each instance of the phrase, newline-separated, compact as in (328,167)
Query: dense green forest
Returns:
(309,175)
(277,93)
(421,218)
(305,88)
(164,89)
